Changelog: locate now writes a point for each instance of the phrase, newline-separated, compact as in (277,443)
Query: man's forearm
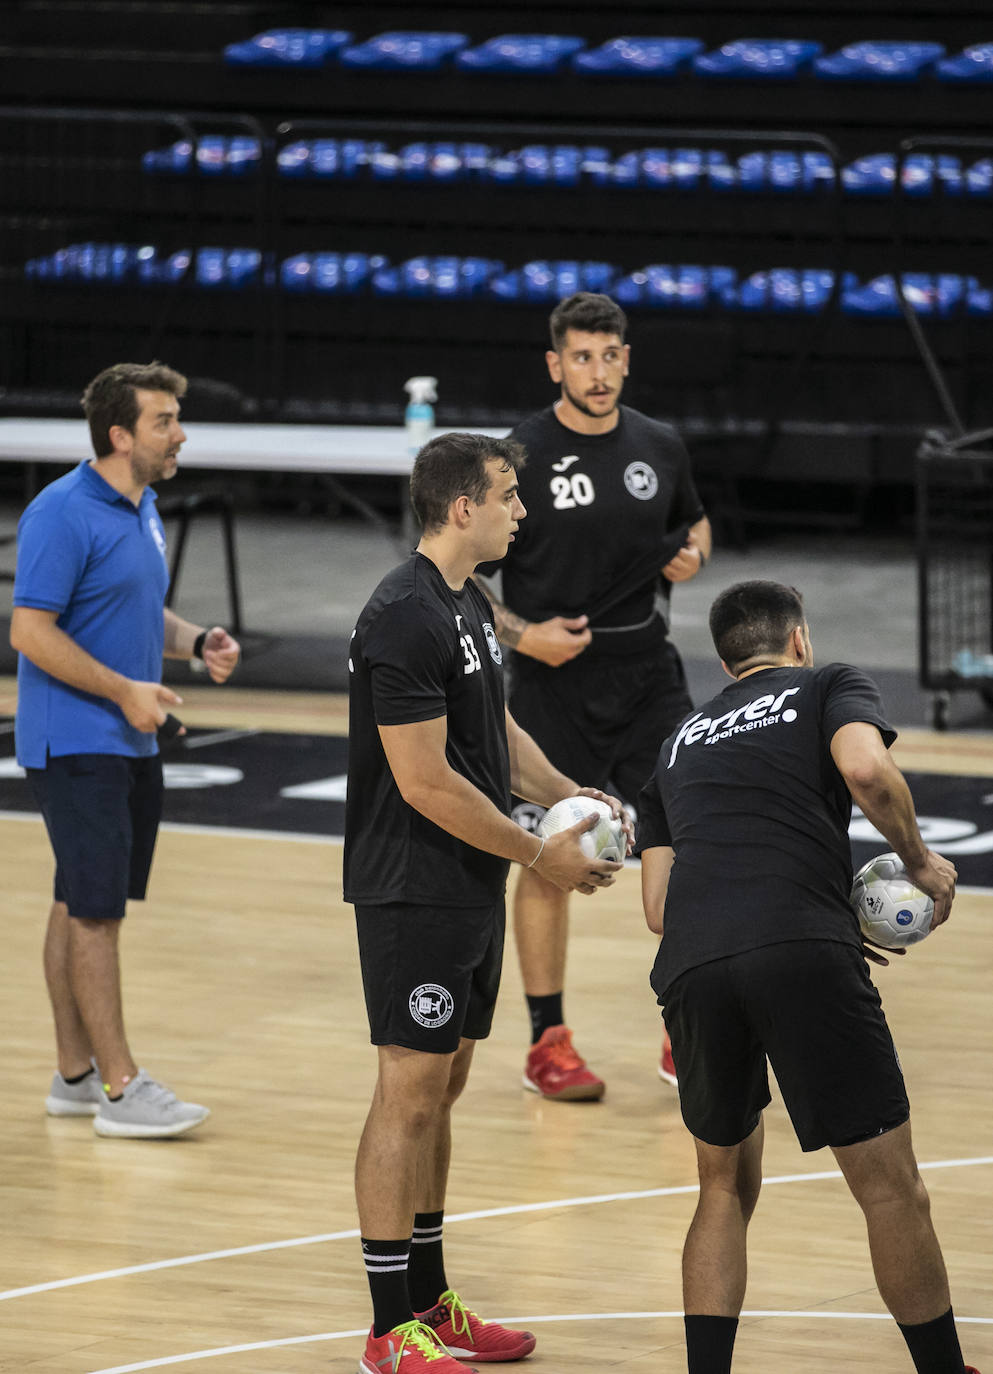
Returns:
(886,803)
(179,635)
(56,653)
(457,806)
(508,624)
(532,775)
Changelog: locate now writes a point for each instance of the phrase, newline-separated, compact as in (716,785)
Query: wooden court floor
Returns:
(234,1249)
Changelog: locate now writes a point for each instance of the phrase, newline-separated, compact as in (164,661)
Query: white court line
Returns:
(217,737)
(517,1209)
(760,1313)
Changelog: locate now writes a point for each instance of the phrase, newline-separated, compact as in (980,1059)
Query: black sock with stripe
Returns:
(386,1263)
(427,1263)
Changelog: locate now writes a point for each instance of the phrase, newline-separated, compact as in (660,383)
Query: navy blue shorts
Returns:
(811,1007)
(431,974)
(102,814)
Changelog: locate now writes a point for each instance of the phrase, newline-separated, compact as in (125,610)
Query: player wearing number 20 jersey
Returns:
(606,512)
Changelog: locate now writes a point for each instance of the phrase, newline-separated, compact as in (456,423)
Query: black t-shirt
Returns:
(605,513)
(747,794)
(420,651)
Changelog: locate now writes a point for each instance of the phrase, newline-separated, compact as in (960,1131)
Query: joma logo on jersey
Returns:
(755,715)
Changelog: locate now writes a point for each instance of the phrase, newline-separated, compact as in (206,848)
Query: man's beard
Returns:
(584,408)
(145,471)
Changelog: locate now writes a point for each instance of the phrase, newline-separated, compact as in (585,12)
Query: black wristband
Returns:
(198,644)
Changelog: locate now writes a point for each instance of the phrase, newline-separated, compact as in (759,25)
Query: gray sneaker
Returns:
(147,1110)
(74,1099)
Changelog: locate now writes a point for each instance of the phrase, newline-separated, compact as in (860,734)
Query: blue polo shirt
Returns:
(88,553)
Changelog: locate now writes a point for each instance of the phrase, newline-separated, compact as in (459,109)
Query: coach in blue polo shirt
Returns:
(91,628)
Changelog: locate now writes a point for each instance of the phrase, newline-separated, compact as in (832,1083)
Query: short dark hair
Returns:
(753,618)
(588,311)
(110,398)
(454,465)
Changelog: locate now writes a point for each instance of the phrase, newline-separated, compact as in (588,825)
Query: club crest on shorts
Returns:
(528,815)
(431,1005)
(492,643)
(641,480)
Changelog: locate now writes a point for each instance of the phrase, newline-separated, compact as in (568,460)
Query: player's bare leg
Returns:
(72,1043)
(82,970)
(404,1113)
(906,1257)
(714,1254)
(436,1146)
(541,928)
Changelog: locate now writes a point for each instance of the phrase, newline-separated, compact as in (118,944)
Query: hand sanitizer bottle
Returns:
(419,415)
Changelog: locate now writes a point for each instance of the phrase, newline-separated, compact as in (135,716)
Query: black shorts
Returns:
(102,814)
(600,720)
(430,974)
(811,1007)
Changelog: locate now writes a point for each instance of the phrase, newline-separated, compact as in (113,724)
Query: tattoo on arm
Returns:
(509,627)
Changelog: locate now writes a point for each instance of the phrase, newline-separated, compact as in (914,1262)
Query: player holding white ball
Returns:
(746,875)
(432,756)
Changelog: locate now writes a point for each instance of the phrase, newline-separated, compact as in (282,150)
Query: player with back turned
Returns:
(433,754)
(614,520)
(746,875)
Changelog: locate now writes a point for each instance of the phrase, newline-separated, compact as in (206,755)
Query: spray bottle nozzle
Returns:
(422,390)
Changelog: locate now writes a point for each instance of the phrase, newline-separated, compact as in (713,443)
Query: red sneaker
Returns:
(410,1348)
(667,1065)
(555,1070)
(468,1337)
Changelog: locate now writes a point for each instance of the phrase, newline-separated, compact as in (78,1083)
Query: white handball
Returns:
(606,840)
(891,911)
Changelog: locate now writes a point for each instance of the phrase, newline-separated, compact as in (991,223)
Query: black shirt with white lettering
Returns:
(747,794)
(606,512)
(421,651)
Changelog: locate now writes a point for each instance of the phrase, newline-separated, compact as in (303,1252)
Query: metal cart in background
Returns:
(955,567)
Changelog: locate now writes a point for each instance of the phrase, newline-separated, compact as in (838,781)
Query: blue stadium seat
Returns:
(972,64)
(872,175)
(926,175)
(923,175)
(227,267)
(897,61)
(657,57)
(664,286)
(405,51)
(762,58)
(344,273)
(442,277)
(978,298)
(216,155)
(979,177)
(940,295)
(551,281)
(288,48)
(672,168)
(723,286)
(533,53)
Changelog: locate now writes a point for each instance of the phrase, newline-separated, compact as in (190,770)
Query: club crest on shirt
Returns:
(641,480)
(431,1005)
(492,643)
(157,535)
